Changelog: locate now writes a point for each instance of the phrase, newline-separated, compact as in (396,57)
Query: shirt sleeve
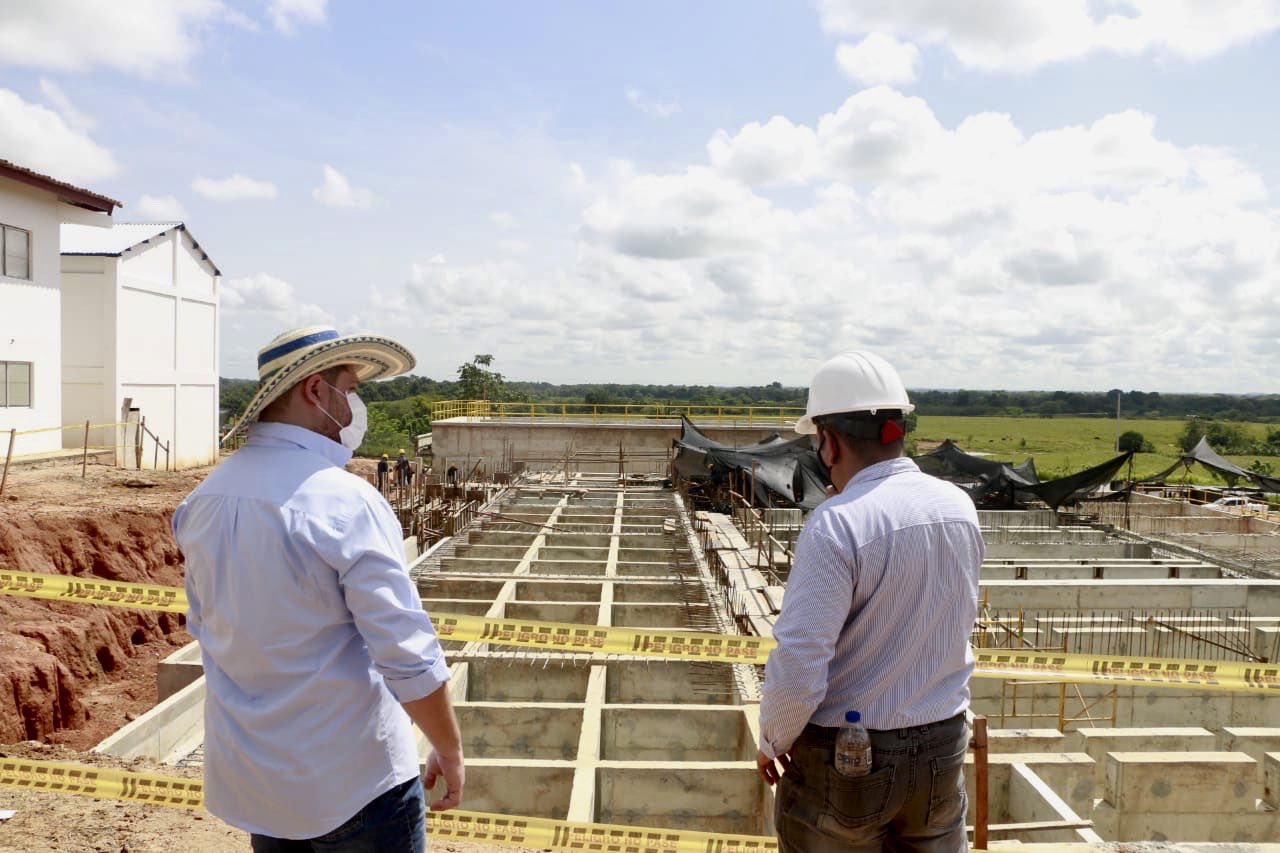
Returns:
(368,555)
(193,597)
(815,609)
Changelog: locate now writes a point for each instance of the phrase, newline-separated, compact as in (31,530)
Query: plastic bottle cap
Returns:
(852,717)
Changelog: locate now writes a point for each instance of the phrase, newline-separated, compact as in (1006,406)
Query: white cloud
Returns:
(286,14)
(337,191)
(676,216)
(880,59)
(973,254)
(163,208)
(652,106)
(74,118)
(1014,35)
(38,138)
(138,37)
(271,298)
(776,151)
(235,188)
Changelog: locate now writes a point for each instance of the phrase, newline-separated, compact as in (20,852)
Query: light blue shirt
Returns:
(879,607)
(311,631)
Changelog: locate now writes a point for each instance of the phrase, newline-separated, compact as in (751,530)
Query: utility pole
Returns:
(1118,395)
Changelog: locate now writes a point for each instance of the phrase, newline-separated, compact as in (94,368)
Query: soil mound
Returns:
(74,672)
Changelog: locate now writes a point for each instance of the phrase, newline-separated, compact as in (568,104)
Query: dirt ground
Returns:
(73,824)
(71,674)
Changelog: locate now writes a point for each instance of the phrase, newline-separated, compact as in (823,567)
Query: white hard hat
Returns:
(853,382)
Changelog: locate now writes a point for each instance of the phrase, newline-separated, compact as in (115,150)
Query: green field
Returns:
(1063,446)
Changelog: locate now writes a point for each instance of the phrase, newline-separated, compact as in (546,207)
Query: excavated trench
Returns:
(72,673)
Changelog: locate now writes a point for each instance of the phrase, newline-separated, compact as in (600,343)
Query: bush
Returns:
(1225,437)
(1134,440)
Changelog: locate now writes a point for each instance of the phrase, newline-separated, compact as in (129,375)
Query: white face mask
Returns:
(352,435)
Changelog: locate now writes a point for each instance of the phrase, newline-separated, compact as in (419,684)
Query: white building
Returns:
(140,323)
(32,207)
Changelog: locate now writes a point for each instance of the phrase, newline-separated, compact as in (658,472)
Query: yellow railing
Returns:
(611,412)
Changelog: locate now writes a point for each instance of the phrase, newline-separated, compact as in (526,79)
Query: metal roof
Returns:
(120,238)
(69,193)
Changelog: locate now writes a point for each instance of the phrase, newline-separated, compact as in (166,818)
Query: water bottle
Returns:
(853,747)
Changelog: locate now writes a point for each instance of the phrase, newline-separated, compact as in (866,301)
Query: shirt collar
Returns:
(274,433)
(887,468)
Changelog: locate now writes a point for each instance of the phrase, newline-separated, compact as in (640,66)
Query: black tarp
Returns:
(785,471)
(1064,490)
(1204,454)
(991,483)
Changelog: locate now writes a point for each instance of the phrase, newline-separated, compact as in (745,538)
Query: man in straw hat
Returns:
(316,648)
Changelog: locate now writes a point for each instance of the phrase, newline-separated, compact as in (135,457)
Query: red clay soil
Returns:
(73,673)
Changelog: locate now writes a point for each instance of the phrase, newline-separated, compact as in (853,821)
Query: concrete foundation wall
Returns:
(458,439)
(178,670)
(168,731)
(1256,596)
(1187,796)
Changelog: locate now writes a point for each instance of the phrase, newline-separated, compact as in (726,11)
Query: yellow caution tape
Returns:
(506,830)
(101,782)
(567,835)
(1233,676)
(1237,676)
(563,636)
(147,596)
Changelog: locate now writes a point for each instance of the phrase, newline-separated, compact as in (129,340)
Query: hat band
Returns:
(278,354)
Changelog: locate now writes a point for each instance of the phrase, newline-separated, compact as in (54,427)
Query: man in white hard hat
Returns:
(316,649)
(880,603)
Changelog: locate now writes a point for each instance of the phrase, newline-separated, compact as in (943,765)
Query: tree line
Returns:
(400,408)
(481,383)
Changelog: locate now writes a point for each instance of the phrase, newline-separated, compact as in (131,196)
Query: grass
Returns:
(1063,446)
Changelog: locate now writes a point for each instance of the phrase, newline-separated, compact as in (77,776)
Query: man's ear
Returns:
(831,444)
(310,389)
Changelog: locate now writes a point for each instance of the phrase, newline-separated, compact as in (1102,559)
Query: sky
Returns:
(1006,194)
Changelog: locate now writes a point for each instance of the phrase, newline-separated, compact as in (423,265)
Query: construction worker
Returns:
(879,605)
(384,466)
(402,469)
(317,653)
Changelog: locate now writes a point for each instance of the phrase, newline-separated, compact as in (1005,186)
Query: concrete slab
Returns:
(647,733)
(669,682)
(1180,783)
(501,730)
(519,681)
(707,796)
(1097,743)
(1253,741)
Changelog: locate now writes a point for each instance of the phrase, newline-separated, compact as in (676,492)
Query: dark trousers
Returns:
(395,822)
(913,798)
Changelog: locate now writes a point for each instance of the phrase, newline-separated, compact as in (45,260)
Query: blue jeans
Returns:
(913,798)
(394,822)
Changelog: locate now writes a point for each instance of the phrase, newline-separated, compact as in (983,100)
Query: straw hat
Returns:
(298,353)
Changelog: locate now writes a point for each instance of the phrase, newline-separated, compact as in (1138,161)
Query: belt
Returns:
(827,734)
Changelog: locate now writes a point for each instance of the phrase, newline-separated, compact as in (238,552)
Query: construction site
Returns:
(558,520)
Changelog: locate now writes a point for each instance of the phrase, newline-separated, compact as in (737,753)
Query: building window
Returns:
(15,252)
(15,384)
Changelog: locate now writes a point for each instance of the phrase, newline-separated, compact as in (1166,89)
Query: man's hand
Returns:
(768,770)
(454,774)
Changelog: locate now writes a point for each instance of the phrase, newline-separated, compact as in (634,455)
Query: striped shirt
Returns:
(879,607)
